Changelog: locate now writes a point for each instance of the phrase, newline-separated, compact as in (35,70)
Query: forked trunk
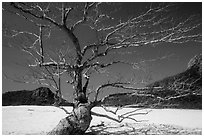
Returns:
(76,123)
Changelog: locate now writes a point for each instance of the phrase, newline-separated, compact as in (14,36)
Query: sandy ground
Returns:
(35,120)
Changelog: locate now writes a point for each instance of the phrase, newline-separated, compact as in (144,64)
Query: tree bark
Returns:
(76,123)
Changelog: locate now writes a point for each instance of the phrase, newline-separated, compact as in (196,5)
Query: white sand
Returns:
(41,119)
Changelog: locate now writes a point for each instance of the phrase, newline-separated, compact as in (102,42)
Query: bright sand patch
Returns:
(41,119)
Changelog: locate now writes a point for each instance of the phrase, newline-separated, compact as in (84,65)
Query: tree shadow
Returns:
(120,129)
(140,129)
(97,130)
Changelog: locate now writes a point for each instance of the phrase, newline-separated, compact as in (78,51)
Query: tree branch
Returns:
(63,27)
(116,84)
(65,13)
(86,84)
(87,7)
(106,116)
(121,117)
(101,65)
(44,17)
(134,32)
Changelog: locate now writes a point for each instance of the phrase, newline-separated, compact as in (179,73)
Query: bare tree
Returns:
(79,62)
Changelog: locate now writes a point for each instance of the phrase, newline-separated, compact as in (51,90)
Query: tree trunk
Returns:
(76,123)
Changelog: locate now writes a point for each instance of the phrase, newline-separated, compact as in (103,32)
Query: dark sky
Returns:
(173,57)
